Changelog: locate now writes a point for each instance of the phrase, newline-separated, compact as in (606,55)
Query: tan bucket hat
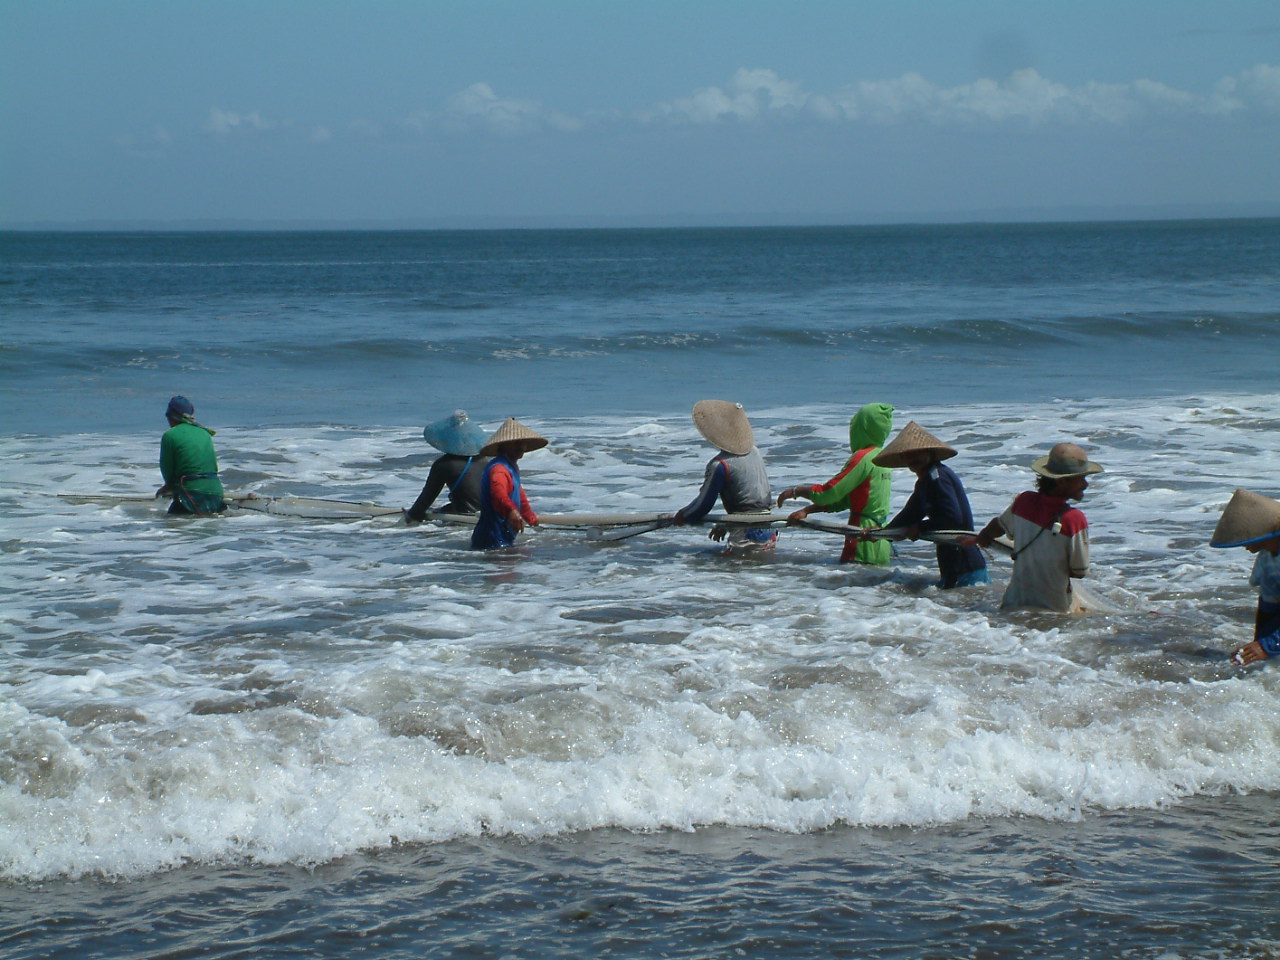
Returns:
(724,425)
(513,431)
(912,438)
(1065,460)
(1248,518)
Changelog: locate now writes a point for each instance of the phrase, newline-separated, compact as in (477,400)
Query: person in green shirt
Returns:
(861,487)
(188,463)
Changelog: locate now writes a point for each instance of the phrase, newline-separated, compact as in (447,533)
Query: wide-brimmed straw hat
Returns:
(455,434)
(1065,460)
(513,431)
(1249,518)
(912,438)
(724,425)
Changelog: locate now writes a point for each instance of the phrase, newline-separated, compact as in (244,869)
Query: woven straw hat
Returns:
(724,425)
(513,431)
(1065,460)
(913,438)
(1248,518)
(455,434)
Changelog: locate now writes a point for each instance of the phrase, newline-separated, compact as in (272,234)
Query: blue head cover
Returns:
(455,434)
(180,408)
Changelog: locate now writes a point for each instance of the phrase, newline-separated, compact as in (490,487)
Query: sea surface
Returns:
(270,736)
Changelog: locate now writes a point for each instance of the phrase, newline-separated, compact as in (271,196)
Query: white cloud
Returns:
(223,122)
(1262,85)
(478,105)
(1025,96)
(761,96)
(751,95)
(884,100)
(1258,87)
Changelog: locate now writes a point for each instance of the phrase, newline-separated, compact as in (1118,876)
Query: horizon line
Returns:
(991,216)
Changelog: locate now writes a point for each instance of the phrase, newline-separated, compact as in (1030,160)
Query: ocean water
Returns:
(269,736)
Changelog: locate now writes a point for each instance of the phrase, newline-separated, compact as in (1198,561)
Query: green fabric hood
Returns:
(870,426)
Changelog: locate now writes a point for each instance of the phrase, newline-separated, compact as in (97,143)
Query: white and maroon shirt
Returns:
(1051,541)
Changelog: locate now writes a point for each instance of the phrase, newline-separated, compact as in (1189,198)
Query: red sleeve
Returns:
(526,511)
(830,484)
(1073,522)
(501,486)
(500,489)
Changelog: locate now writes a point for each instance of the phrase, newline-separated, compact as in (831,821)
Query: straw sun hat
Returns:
(1065,460)
(455,434)
(1248,518)
(724,425)
(513,431)
(913,438)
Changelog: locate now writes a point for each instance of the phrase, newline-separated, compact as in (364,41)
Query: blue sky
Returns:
(496,112)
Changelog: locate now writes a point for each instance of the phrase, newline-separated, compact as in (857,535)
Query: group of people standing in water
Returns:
(1049,538)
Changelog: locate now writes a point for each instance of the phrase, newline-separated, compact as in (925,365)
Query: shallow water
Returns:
(285,689)
(1139,884)
(263,735)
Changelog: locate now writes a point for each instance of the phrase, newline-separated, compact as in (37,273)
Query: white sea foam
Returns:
(290,690)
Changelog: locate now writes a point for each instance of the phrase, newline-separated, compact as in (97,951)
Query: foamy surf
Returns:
(290,691)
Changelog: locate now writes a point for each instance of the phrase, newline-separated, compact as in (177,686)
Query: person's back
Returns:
(461,476)
(1051,543)
(746,483)
(186,450)
(735,476)
(188,462)
(1050,537)
(459,470)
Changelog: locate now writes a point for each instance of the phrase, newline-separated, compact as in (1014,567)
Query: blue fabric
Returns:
(1266,576)
(492,531)
(179,408)
(709,494)
(939,502)
(1268,632)
(455,434)
(970,579)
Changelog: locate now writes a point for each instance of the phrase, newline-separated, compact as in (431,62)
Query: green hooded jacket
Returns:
(861,486)
(186,450)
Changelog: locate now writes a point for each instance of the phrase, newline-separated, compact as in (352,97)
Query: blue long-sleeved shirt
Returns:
(939,502)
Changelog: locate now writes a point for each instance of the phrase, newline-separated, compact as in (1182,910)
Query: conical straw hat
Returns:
(724,425)
(1065,460)
(1248,518)
(913,438)
(455,434)
(513,431)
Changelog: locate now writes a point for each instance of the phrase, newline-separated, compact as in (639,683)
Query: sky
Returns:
(635,112)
